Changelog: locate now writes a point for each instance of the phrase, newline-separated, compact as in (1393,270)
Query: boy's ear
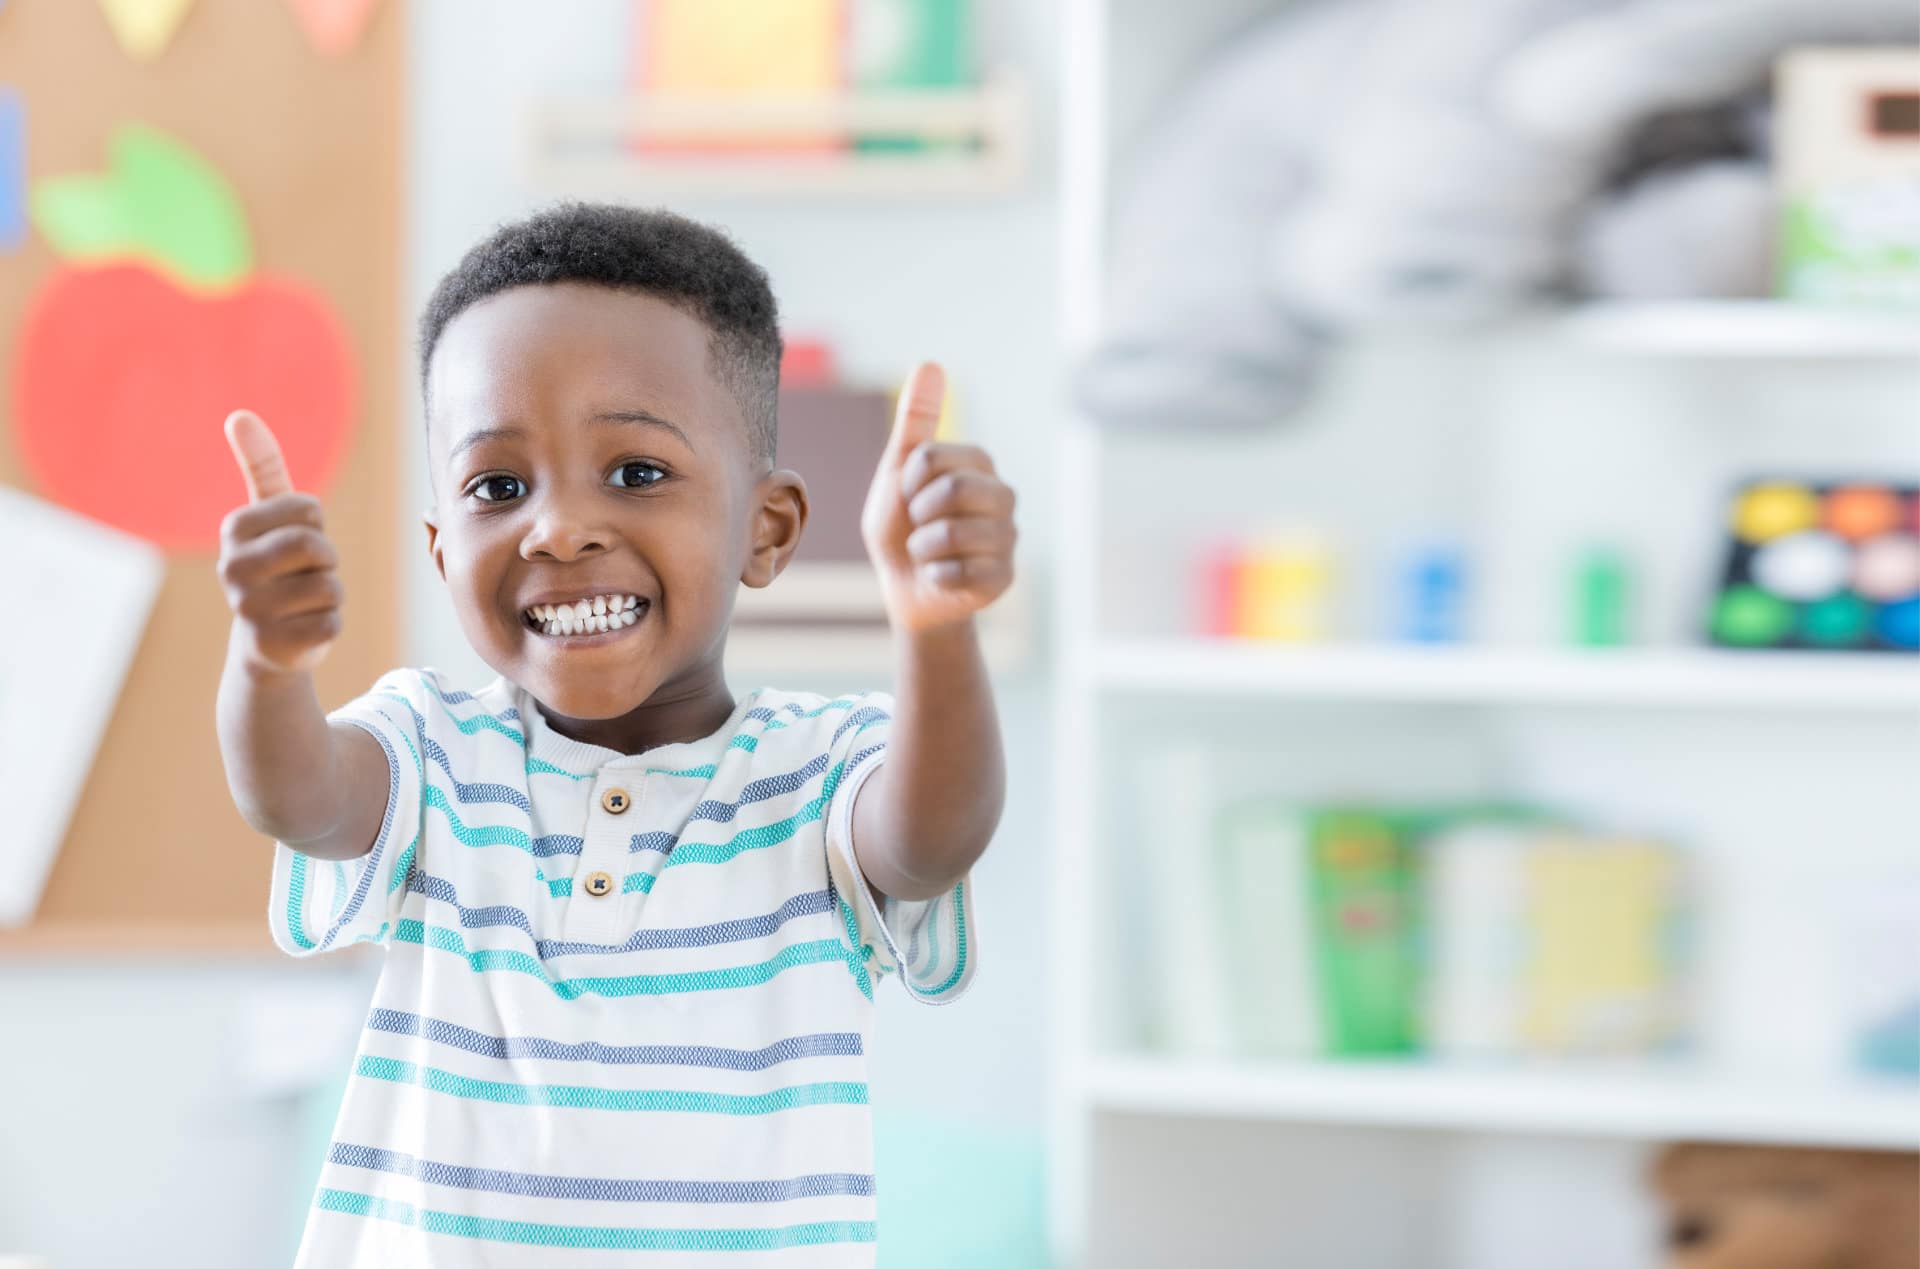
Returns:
(430,517)
(780,515)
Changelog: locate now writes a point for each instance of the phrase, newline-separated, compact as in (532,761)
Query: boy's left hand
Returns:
(938,522)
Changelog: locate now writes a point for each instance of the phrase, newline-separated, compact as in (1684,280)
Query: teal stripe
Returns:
(402,866)
(539,766)
(855,948)
(597,1237)
(960,949)
(487,960)
(378,936)
(466,725)
(747,838)
(475,835)
(296,894)
(582,1097)
(634,882)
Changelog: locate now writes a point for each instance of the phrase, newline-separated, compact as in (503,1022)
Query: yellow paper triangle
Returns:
(333,26)
(145,27)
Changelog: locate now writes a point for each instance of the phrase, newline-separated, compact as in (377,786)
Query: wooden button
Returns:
(614,801)
(599,883)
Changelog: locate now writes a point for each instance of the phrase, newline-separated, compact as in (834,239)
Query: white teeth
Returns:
(600,613)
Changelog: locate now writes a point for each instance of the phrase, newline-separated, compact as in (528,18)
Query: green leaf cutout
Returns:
(160,202)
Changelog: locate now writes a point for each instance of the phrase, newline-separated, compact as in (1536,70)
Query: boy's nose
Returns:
(555,535)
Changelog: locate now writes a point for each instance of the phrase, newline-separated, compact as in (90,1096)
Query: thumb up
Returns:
(938,521)
(278,569)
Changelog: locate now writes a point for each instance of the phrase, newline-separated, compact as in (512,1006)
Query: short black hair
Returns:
(693,266)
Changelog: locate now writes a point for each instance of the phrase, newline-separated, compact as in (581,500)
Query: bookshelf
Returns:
(1781,769)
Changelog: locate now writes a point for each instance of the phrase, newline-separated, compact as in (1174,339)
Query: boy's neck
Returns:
(688,708)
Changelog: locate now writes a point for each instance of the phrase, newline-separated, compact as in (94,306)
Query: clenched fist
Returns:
(938,523)
(279,570)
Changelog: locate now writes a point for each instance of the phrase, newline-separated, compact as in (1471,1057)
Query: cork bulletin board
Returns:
(247,105)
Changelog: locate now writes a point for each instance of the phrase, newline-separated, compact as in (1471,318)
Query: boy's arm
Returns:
(319,788)
(939,525)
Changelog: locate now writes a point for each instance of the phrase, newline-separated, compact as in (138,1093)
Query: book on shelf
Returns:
(1471,931)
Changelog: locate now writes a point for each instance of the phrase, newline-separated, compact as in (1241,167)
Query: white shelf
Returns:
(1635,1104)
(585,149)
(1740,329)
(1862,681)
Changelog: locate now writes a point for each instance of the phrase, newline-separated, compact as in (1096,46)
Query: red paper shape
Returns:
(333,26)
(122,381)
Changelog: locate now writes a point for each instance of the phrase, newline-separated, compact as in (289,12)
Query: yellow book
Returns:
(1600,976)
(732,49)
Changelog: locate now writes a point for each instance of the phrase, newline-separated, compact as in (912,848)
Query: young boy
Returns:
(632,925)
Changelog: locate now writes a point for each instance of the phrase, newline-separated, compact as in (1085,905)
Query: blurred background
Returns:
(1461,699)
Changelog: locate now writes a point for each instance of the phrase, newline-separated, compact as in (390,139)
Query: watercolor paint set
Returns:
(1820,566)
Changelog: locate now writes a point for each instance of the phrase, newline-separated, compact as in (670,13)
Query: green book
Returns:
(1362,895)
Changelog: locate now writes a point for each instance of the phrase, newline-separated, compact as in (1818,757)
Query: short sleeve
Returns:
(317,905)
(929,943)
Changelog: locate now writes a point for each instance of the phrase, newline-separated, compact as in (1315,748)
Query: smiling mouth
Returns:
(595,615)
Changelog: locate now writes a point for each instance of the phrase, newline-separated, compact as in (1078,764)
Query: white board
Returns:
(80,595)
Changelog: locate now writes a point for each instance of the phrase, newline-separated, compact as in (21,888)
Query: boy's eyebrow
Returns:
(479,434)
(643,416)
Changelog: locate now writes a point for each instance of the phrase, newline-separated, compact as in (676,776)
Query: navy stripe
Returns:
(853,763)
(860,718)
(352,907)
(509,714)
(794,1048)
(644,940)
(723,812)
(551,844)
(481,792)
(761,713)
(605,1189)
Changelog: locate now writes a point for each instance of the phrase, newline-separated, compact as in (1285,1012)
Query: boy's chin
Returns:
(595,702)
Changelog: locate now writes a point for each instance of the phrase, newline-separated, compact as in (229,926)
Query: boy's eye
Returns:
(636,475)
(499,488)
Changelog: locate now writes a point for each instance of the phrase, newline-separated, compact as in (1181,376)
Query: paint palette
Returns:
(1826,566)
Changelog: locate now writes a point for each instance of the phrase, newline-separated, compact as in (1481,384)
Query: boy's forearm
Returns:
(928,813)
(283,760)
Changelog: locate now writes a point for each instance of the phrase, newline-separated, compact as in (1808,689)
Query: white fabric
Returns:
(673,1073)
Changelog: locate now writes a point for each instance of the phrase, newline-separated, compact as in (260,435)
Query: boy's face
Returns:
(581,447)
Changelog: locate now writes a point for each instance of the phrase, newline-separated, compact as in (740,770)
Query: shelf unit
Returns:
(588,148)
(1131,1127)
(1629,1102)
(1656,677)
(1738,330)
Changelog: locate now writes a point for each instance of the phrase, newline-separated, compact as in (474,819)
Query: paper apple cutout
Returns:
(133,352)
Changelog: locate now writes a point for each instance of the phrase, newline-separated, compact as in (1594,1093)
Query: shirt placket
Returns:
(598,899)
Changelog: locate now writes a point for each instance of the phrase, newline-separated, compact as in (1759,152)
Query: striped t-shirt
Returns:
(626,1002)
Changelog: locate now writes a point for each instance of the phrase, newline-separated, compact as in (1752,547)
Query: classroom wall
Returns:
(136,1090)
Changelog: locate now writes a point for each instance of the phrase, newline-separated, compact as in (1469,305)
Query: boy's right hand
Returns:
(279,570)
